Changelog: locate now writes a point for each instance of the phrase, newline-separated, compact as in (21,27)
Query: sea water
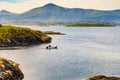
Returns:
(81,53)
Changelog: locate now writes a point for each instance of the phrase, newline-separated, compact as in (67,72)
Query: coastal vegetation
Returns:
(17,36)
(91,24)
(53,33)
(27,23)
(68,24)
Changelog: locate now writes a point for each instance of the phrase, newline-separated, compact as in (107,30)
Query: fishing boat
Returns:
(51,47)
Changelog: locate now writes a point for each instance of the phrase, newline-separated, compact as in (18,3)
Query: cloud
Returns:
(10,1)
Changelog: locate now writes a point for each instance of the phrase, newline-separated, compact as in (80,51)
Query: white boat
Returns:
(51,47)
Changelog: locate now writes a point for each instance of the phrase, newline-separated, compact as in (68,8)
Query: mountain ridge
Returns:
(54,13)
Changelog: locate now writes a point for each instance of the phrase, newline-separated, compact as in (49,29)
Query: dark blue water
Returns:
(81,53)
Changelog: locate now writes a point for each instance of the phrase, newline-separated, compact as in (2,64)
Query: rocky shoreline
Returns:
(10,70)
(17,36)
(102,77)
(53,33)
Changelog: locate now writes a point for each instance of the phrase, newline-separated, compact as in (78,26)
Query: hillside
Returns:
(16,36)
(6,16)
(54,13)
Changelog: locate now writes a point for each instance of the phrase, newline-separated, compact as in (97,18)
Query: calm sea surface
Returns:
(81,53)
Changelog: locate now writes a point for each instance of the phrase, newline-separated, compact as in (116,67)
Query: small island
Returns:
(102,77)
(10,70)
(53,33)
(68,24)
(91,24)
(18,36)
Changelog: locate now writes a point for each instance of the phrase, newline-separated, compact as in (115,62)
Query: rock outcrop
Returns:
(53,33)
(10,70)
(0,25)
(101,77)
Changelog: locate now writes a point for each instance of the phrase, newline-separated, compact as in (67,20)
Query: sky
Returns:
(20,6)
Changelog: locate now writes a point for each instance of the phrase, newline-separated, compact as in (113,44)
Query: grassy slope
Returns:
(15,36)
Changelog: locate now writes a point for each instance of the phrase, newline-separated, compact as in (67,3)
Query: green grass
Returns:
(16,35)
(53,33)
(38,23)
(91,24)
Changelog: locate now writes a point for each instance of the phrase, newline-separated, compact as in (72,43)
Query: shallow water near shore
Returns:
(81,53)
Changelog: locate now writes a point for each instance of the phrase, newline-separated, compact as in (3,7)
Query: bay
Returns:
(81,53)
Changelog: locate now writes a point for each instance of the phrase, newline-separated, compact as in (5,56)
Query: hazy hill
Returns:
(6,16)
(54,13)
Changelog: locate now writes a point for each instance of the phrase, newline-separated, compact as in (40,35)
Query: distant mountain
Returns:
(49,12)
(6,16)
(4,11)
(55,13)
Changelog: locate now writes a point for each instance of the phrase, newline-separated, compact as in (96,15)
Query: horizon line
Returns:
(61,6)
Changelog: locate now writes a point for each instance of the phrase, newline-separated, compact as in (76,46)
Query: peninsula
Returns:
(17,36)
